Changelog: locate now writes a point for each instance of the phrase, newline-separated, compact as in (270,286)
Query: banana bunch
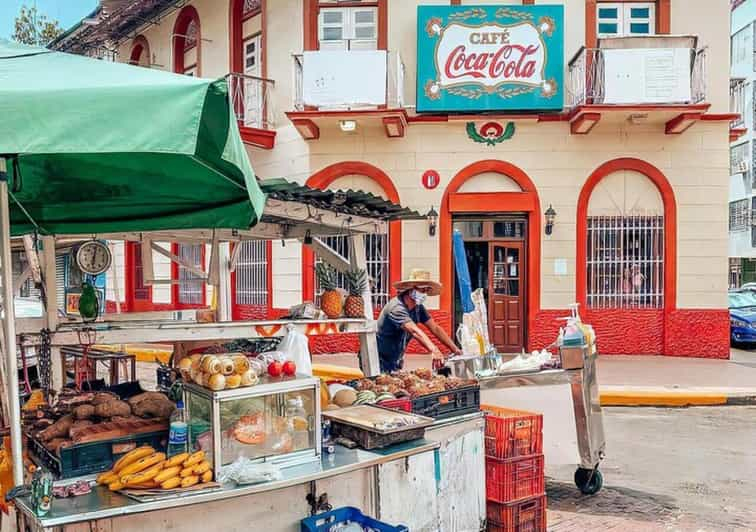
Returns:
(147,469)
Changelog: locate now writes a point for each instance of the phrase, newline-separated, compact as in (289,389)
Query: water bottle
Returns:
(178,432)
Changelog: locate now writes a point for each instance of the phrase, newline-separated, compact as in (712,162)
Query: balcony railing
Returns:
(737,101)
(348,81)
(637,76)
(252,100)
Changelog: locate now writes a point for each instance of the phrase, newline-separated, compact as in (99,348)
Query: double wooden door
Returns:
(506,295)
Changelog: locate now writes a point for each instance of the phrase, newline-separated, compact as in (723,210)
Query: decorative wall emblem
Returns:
(490,133)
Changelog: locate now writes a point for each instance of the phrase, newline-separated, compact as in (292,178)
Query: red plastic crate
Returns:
(528,515)
(512,433)
(512,480)
(397,404)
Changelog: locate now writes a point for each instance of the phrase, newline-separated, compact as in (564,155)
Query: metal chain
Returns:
(44,362)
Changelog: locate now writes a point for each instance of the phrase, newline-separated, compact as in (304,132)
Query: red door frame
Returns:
(140,46)
(663,19)
(185,16)
(670,226)
(485,203)
(236,36)
(321,180)
(311,8)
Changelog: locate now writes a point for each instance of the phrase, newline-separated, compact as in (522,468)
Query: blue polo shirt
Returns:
(392,339)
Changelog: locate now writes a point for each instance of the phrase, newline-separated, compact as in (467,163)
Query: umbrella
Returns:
(95,146)
(463,273)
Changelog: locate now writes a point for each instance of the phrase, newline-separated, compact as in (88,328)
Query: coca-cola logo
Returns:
(491,51)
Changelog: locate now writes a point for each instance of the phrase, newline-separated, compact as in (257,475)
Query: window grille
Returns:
(377,258)
(190,290)
(741,44)
(739,159)
(625,262)
(252,273)
(739,215)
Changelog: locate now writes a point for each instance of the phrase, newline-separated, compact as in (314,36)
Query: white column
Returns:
(369,362)
(224,284)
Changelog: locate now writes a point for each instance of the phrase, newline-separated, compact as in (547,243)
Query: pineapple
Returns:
(354,306)
(330,300)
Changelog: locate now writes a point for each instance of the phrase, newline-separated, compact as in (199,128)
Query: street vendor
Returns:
(399,319)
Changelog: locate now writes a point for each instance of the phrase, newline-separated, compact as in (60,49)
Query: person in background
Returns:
(399,319)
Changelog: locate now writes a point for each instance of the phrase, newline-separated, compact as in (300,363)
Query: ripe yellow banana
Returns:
(207,476)
(168,472)
(131,457)
(176,460)
(143,476)
(142,464)
(194,459)
(106,477)
(200,468)
(187,472)
(115,486)
(189,481)
(171,483)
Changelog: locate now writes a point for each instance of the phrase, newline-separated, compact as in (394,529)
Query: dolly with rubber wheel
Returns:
(589,481)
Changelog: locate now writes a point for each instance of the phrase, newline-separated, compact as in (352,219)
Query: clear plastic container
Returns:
(298,422)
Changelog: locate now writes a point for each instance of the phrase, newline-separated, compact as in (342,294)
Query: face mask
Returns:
(418,297)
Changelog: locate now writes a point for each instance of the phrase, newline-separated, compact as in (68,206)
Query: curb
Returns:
(663,398)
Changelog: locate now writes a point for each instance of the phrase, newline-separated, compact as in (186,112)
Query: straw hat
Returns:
(419,278)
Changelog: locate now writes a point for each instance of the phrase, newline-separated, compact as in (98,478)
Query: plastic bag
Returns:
(297,349)
(245,471)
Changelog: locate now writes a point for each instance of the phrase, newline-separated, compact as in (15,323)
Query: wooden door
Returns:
(253,88)
(506,278)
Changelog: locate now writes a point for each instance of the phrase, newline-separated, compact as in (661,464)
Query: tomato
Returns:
(289,368)
(275,369)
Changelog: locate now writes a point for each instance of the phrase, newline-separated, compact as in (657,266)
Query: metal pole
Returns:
(9,328)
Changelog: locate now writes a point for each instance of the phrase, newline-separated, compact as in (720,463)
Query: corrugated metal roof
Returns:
(354,202)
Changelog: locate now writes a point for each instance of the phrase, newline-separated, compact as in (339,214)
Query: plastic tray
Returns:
(512,433)
(94,457)
(527,515)
(323,522)
(449,403)
(511,480)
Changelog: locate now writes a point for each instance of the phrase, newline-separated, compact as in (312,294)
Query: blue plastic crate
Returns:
(323,522)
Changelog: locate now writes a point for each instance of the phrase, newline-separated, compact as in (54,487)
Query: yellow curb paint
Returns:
(638,398)
(142,354)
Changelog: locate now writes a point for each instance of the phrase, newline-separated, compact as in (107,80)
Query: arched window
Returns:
(382,251)
(187,42)
(140,52)
(626,238)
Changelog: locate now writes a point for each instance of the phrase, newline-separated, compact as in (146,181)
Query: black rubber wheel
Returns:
(589,481)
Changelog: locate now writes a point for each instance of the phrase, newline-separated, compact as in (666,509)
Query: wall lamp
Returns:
(550,216)
(432,217)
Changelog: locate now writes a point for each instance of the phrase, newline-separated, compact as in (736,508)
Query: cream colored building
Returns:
(639,187)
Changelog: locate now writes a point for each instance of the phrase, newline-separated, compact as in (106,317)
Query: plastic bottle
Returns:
(298,422)
(178,432)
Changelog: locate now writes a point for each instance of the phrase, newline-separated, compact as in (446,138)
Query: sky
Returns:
(66,12)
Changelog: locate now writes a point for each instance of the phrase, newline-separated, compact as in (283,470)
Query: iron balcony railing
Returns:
(252,100)
(394,84)
(587,83)
(737,101)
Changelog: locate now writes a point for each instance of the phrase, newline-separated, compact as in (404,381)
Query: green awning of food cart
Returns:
(94,147)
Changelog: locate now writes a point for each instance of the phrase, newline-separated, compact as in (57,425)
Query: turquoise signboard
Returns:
(490,58)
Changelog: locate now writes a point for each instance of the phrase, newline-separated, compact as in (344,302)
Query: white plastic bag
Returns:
(245,471)
(295,345)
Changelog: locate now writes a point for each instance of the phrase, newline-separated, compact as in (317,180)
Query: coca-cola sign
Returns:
(489,58)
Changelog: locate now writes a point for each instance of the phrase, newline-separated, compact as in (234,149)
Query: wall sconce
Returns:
(348,126)
(432,217)
(550,216)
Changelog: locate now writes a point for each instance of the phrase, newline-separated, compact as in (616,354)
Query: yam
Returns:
(84,412)
(59,429)
(103,397)
(147,396)
(79,424)
(113,409)
(161,409)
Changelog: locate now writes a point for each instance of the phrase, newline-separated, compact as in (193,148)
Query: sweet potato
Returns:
(83,412)
(59,429)
(162,408)
(112,409)
(157,396)
(103,397)
(79,424)
(56,444)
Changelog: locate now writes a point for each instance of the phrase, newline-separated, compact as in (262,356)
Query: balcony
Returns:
(737,107)
(349,89)
(252,101)
(641,79)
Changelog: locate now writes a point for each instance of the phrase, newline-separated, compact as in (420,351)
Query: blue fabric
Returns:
(392,338)
(463,273)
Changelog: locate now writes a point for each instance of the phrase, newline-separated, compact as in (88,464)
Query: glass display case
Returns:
(277,420)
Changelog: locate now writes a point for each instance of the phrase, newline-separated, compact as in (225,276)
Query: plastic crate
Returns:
(512,433)
(323,522)
(449,403)
(397,404)
(511,480)
(527,515)
(94,457)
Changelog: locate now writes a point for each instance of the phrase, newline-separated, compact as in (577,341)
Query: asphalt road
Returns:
(666,469)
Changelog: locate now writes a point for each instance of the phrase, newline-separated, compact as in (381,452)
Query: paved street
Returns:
(666,469)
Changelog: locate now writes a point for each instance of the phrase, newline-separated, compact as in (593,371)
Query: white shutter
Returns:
(363,28)
(639,18)
(332,29)
(609,19)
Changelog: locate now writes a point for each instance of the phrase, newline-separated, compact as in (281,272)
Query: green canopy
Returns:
(96,147)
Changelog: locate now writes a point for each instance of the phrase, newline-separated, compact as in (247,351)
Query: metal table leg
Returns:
(589,426)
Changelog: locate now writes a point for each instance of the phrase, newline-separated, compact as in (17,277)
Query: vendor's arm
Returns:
(418,334)
(440,333)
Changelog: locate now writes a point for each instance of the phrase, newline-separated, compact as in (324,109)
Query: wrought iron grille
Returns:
(377,258)
(190,287)
(739,215)
(625,261)
(252,273)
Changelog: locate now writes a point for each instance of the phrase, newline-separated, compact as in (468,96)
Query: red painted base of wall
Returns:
(700,333)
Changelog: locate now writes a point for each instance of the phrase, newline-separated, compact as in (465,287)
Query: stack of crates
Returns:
(515,483)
